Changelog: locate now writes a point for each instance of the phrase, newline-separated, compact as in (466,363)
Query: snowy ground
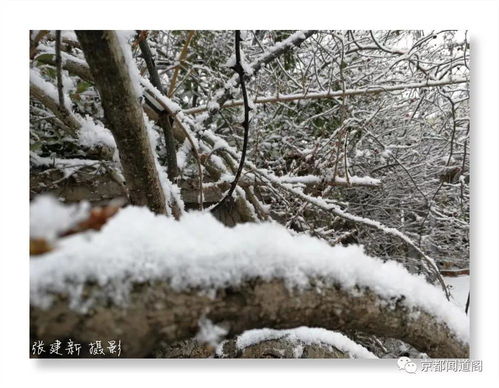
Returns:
(459,288)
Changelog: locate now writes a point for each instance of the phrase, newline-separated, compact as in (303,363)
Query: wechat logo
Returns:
(406,364)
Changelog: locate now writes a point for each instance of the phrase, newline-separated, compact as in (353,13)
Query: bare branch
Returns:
(374,89)
(240,71)
(58,67)
(182,56)
(291,42)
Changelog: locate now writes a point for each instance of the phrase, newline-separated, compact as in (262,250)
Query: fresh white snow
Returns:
(49,217)
(313,179)
(92,134)
(124,36)
(170,190)
(307,336)
(459,287)
(67,166)
(210,333)
(199,252)
(48,88)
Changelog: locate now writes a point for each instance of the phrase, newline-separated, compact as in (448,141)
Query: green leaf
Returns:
(45,58)
(35,146)
(82,86)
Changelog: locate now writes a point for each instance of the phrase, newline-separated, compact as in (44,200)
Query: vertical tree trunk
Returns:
(124,117)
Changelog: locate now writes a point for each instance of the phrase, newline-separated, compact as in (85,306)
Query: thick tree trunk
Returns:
(124,117)
(156,313)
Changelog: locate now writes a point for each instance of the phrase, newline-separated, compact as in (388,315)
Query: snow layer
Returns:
(199,252)
(307,336)
(459,288)
(124,37)
(48,217)
(312,179)
(49,89)
(92,134)
(67,166)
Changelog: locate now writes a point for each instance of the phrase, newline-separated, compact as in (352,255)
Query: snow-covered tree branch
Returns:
(254,276)
(344,138)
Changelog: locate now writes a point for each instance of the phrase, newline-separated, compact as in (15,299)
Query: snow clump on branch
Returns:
(198,252)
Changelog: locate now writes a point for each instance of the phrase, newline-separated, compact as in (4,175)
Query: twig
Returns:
(181,58)
(293,41)
(238,68)
(58,66)
(454,129)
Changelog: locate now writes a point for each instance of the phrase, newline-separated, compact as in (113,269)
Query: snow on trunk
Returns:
(198,252)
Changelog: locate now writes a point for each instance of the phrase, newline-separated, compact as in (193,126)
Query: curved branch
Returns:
(157,313)
(293,41)
(240,71)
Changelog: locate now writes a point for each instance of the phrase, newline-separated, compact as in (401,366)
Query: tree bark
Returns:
(124,117)
(164,121)
(273,348)
(156,313)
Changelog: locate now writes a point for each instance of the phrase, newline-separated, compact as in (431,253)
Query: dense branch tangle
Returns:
(311,153)
(326,87)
